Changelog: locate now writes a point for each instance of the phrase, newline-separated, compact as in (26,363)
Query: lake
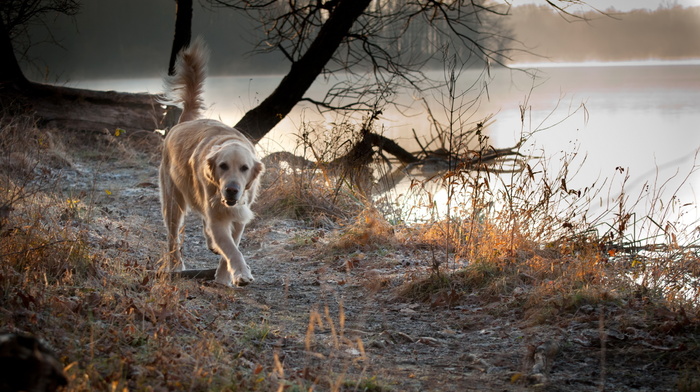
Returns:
(642,117)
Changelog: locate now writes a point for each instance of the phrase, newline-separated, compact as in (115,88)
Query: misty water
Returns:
(641,117)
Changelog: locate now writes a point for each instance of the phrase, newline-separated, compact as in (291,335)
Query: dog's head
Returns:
(233,169)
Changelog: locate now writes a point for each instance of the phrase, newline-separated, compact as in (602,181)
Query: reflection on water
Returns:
(642,118)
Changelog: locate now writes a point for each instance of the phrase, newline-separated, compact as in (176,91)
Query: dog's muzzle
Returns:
(230,194)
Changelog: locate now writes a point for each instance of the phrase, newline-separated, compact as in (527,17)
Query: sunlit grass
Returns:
(520,243)
(117,323)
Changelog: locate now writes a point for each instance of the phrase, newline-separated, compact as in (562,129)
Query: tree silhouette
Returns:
(391,40)
(15,15)
(58,105)
(10,72)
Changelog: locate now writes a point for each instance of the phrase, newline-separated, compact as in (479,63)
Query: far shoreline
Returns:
(590,64)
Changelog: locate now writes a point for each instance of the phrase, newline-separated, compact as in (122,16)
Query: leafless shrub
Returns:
(528,229)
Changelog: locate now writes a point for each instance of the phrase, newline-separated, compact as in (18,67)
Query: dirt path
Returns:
(311,316)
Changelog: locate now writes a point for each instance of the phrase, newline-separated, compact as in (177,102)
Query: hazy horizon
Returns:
(624,6)
(91,50)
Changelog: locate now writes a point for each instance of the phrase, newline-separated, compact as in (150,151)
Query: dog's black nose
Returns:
(231,191)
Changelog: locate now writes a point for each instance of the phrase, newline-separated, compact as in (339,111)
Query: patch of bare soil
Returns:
(313,314)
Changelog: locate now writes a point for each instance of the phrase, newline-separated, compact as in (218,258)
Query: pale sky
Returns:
(621,5)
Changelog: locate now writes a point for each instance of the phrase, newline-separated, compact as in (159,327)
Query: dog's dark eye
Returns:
(244,168)
(223,166)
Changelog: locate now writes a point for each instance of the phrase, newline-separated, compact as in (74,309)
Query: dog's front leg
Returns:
(237,232)
(208,236)
(232,268)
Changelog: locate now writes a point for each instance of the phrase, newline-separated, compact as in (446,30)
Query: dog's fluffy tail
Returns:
(186,87)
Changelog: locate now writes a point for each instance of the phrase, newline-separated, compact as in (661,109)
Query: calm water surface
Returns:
(645,119)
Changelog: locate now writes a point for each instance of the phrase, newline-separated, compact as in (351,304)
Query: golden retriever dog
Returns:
(209,167)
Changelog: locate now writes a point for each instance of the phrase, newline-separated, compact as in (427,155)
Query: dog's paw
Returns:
(223,278)
(243,277)
(237,281)
(225,283)
(242,281)
(231,278)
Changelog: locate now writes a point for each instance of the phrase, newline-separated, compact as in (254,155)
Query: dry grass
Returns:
(529,240)
(118,324)
(546,261)
(122,326)
(308,195)
(366,232)
(527,234)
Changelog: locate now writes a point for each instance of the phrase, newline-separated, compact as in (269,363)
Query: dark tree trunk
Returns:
(257,122)
(183,30)
(10,72)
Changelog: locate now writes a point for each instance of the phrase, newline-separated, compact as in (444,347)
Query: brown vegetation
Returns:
(346,301)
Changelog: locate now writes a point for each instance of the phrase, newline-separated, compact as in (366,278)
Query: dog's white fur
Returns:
(209,167)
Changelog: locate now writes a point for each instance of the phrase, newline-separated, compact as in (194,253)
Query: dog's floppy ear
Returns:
(256,170)
(210,165)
